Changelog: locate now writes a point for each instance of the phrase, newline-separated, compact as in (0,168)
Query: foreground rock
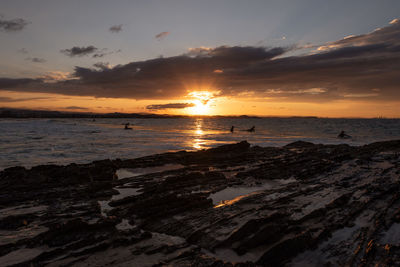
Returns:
(234,205)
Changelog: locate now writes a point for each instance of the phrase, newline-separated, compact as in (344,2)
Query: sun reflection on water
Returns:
(198,142)
(199,132)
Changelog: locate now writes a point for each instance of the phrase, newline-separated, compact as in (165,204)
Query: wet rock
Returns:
(191,180)
(232,148)
(61,234)
(16,221)
(158,206)
(312,205)
(300,144)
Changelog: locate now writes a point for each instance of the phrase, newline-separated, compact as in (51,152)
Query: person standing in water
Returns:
(232,128)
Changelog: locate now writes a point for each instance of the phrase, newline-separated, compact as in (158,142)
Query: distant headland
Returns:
(30,113)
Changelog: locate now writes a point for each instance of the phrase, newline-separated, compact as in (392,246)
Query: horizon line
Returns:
(83,113)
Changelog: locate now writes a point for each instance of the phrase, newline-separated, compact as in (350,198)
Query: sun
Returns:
(201,103)
(199,108)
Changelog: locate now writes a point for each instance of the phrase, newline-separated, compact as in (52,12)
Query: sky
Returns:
(266,58)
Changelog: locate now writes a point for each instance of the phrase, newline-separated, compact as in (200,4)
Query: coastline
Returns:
(294,205)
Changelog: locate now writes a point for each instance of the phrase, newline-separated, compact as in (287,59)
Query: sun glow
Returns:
(199,108)
(201,103)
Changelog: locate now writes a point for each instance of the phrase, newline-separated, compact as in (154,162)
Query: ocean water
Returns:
(30,142)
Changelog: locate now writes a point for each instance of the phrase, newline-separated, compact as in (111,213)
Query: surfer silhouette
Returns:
(343,135)
(252,129)
(127,126)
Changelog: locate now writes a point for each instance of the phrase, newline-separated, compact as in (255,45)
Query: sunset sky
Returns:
(220,57)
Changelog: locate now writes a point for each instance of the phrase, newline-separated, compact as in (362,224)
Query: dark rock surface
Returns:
(234,205)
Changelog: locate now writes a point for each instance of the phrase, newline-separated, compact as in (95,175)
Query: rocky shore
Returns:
(234,205)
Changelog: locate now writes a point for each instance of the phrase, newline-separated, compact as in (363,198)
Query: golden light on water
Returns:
(199,132)
(198,141)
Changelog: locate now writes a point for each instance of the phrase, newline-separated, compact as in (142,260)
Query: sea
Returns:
(31,142)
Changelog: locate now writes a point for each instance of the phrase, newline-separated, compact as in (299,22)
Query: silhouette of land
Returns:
(29,113)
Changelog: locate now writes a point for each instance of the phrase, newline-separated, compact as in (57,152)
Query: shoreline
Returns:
(268,206)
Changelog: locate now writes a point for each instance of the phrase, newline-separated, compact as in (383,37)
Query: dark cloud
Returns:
(13,25)
(75,108)
(115,28)
(79,51)
(161,35)
(12,83)
(359,67)
(10,99)
(170,106)
(166,77)
(353,67)
(104,52)
(100,54)
(36,59)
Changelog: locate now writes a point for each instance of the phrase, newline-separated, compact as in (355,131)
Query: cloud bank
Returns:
(10,99)
(363,67)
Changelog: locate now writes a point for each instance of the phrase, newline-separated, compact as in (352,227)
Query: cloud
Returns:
(22,51)
(101,53)
(355,67)
(385,35)
(102,65)
(13,25)
(79,51)
(162,35)
(360,95)
(104,52)
(311,91)
(196,51)
(115,28)
(13,83)
(55,76)
(170,106)
(76,108)
(10,99)
(163,78)
(36,59)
